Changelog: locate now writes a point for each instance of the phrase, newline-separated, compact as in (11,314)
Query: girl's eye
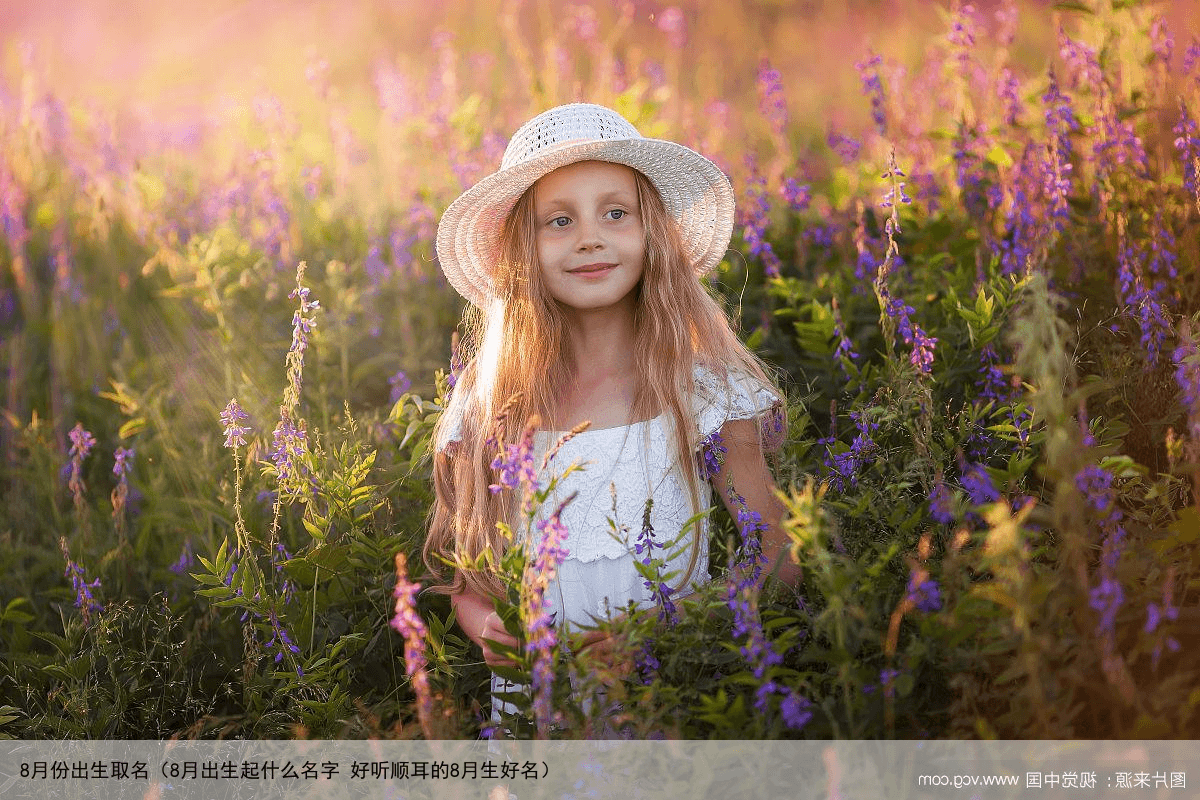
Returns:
(618,213)
(554,223)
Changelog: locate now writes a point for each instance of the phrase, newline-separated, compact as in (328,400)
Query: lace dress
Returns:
(622,467)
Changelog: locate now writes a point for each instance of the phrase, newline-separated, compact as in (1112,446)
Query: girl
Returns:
(581,259)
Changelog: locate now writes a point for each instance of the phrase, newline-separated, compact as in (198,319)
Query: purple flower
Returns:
(887,679)
(1160,40)
(978,484)
(923,345)
(659,591)
(1008,89)
(82,443)
(771,102)
(924,594)
(1141,297)
(187,558)
(796,195)
(991,384)
(756,220)
(289,454)
(796,710)
(845,348)
(712,455)
(1187,142)
(845,146)
(400,383)
(1096,485)
(872,85)
(408,623)
(280,641)
(941,503)
(85,600)
(231,419)
(540,633)
(1060,123)
(515,463)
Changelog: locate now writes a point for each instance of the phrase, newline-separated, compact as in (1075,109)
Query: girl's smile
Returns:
(590,240)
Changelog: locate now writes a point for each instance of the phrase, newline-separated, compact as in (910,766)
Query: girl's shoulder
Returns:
(724,394)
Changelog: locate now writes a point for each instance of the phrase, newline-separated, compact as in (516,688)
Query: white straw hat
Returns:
(695,192)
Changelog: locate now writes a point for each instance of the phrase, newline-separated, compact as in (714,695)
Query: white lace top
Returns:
(622,467)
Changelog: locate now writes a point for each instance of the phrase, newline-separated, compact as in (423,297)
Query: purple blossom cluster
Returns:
(845,348)
(1025,228)
(771,102)
(1008,90)
(1187,142)
(711,456)
(798,196)
(280,642)
(847,147)
(978,485)
(1158,614)
(923,345)
(540,634)
(872,86)
(757,218)
(515,464)
(660,592)
(82,443)
(1186,358)
(1096,485)
(741,597)
(1142,298)
(408,623)
(845,466)
(399,383)
(233,421)
(923,592)
(941,503)
(1160,40)
(85,599)
(187,558)
(122,464)
(1060,124)
(289,454)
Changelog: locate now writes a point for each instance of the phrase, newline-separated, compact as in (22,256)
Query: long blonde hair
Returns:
(523,333)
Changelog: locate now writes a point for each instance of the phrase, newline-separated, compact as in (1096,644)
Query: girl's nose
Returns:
(589,236)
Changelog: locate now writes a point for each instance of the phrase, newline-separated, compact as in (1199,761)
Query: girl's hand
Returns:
(482,625)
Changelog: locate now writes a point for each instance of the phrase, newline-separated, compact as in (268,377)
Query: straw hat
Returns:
(696,193)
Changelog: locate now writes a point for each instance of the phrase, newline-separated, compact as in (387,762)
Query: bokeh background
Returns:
(994,528)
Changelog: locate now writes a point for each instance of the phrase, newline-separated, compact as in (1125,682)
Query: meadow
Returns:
(967,240)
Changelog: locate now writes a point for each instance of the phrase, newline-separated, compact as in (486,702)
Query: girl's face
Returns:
(588,227)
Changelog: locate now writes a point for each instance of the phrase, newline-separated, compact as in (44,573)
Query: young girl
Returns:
(581,259)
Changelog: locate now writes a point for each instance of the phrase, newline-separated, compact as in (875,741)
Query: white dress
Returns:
(597,578)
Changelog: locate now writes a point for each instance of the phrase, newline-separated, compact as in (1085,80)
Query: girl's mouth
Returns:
(592,270)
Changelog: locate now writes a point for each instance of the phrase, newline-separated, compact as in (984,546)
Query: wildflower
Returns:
(515,463)
(289,451)
(1160,40)
(1142,297)
(712,455)
(846,465)
(407,621)
(660,592)
(978,484)
(400,383)
(796,195)
(85,600)
(1187,142)
(231,419)
(923,345)
(846,147)
(771,102)
(796,710)
(187,558)
(82,443)
(541,636)
(756,219)
(990,383)
(280,641)
(868,71)
(1096,485)
(121,466)
(887,679)
(1008,90)
(941,503)
(923,592)
(1060,124)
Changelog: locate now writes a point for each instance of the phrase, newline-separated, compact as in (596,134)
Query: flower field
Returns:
(968,239)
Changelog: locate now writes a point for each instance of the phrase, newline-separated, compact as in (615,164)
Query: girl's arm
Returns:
(746,467)
(479,621)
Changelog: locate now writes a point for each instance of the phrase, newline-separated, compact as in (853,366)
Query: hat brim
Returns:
(694,190)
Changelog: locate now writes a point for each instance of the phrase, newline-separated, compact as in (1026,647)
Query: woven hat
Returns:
(695,192)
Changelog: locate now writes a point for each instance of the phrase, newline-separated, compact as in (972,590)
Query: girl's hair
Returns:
(677,325)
